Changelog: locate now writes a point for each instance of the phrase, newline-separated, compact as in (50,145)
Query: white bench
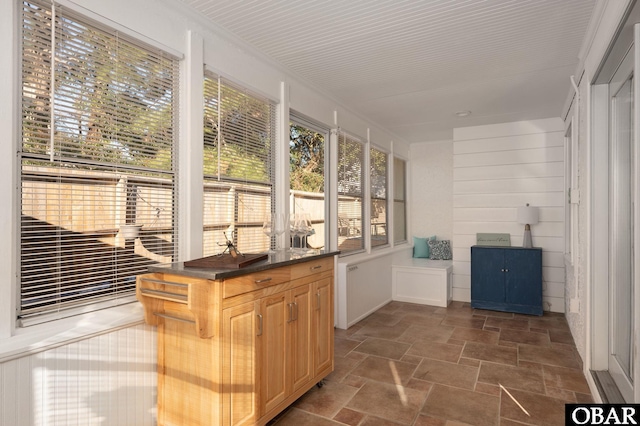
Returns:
(423,281)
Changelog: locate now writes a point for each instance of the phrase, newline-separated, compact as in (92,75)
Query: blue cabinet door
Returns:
(506,279)
(487,280)
(523,277)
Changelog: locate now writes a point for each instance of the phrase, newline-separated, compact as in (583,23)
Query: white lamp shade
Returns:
(527,215)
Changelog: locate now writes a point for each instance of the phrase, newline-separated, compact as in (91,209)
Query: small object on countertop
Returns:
(233,251)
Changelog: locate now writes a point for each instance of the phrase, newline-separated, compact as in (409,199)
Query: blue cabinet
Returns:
(507,279)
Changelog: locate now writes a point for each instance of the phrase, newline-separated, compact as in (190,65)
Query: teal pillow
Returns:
(421,246)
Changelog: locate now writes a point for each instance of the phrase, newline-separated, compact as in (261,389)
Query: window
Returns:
(239,130)
(572,194)
(399,200)
(567,179)
(96,161)
(307,177)
(350,195)
(378,166)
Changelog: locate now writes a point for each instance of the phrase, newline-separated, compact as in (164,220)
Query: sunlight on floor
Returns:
(514,400)
(398,382)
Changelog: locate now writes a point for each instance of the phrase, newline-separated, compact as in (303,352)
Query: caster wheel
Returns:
(320,384)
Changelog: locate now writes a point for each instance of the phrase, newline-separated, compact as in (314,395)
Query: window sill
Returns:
(364,256)
(39,338)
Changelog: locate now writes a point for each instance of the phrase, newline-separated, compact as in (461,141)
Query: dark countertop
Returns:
(276,260)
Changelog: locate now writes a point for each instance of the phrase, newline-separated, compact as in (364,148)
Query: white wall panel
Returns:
(510,171)
(463,242)
(521,156)
(461,254)
(521,185)
(542,229)
(504,214)
(431,187)
(363,286)
(463,268)
(553,258)
(512,129)
(529,141)
(497,169)
(553,289)
(109,379)
(553,304)
(461,281)
(462,294)
(553,274)
(509,199)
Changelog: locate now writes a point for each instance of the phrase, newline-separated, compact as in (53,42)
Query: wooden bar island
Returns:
(237,346)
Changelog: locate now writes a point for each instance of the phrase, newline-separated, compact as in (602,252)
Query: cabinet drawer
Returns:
(246,283)
(173,289)
(305,269)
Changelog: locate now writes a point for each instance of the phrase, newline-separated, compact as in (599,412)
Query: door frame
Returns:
(599,204)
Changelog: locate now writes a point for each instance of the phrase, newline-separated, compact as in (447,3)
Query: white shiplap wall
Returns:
(109,379)
(496,169)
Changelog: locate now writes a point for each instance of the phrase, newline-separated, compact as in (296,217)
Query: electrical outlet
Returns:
(574,305)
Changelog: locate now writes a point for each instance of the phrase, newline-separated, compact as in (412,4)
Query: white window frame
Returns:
(248,209)
(301,120)
(51,242)
(363,195)
(17,342)
(572,191)
(405,201)
(386,199)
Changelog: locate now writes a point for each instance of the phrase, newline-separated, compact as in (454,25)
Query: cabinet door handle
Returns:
(316,267)
(502,270)
(318,300)
(262,281)
(506,270)
(296,311)
(259,325)
(290,305)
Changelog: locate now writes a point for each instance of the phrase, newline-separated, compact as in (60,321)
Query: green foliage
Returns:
(113,101)
(306,159)
(243,123)
(378,173)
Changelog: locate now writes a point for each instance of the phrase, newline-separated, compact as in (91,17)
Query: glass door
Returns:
(621,227)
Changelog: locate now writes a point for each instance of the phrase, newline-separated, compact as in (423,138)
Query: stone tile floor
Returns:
(409,364)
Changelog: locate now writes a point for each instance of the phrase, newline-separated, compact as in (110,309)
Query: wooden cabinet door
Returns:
(275,311)
(301,361)
(323,325)
(240,364)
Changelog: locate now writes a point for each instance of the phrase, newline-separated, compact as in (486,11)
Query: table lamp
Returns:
(527,216)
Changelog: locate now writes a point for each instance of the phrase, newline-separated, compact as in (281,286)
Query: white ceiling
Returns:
(409,65)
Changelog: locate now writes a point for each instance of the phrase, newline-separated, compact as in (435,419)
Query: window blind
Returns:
(350,193)
(399,200)
(378,166)
(97,160)
(239,131)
